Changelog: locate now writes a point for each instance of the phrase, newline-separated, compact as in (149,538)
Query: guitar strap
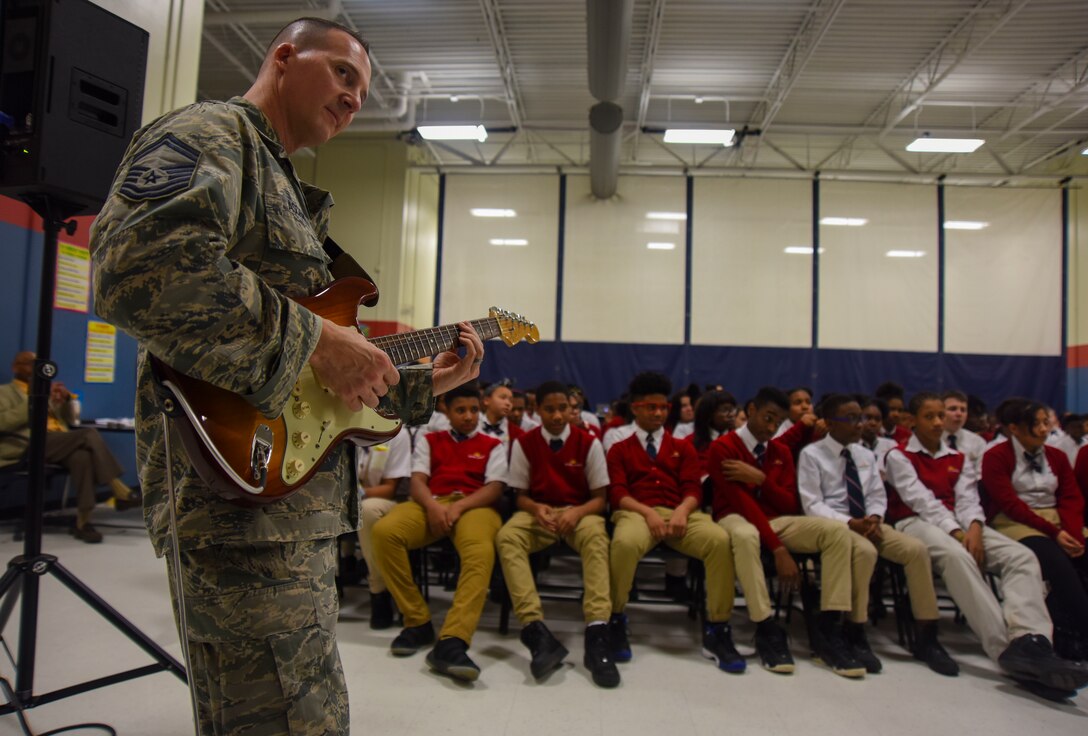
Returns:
(344,265)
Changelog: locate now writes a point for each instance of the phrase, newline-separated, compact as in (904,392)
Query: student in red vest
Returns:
(839,479)
(655,496)
(935,500)
(561,478)
(893,395)
(518,414)
(755,501)
(802,426)
(715,415)
(1032,497)
(498,400)
(956,435)
(457,477)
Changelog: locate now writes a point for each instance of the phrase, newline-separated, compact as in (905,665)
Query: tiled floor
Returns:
(668,688)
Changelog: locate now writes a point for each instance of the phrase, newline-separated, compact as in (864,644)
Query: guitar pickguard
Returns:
(316,418)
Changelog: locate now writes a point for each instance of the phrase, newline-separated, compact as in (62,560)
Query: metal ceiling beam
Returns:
(271,17)
(960,42)
(247,72)
(813,29)
(1067,147)
(646,69)
(1038,94)
(495,29)
(896,157)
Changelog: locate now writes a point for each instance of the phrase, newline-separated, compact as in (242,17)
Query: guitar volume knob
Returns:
(301,409)
(297,390)
(294,468)
(300,439)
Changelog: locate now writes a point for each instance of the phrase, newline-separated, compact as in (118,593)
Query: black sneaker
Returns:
(411,639)
(381,610)
(450,657)
(930,651)
(546,650)
(718,646)
(859,645)
(87,533)
(598,658)
(618,637)
(831,649)
(1031,657)
(773,647)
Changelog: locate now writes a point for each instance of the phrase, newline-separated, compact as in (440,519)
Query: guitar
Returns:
(238,451)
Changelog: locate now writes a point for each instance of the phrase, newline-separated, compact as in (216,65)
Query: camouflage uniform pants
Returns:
(262,638)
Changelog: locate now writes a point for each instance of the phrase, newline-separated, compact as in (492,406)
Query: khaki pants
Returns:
(262,638)
(371,510)
(913,555)
(1017,531)
(1022,611)
(405,528)
(844,570)
(704,540)
(88,460)
(522,535)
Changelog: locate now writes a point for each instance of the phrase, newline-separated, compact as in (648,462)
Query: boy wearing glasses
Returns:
(655,495)
(839,479)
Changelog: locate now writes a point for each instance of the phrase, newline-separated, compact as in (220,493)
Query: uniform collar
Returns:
(548,436)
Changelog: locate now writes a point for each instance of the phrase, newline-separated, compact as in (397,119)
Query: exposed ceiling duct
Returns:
(608,35)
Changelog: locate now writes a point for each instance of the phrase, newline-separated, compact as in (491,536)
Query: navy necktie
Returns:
(759,451)
(952,441)
(1033,461)
(492,428)
(457,436)
(556,445)
(651,449)
(854,495)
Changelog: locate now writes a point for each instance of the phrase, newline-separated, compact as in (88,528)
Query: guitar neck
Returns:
(408,347)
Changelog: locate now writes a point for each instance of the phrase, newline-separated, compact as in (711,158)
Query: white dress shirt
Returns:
(439,422)
(528,423)
(596,469)
(392,459)
(496,461)
(880,449)
(589,417)
(1037,489)
(970,444)
(922,501)
(504,426)
(618,434)
(783,428)
(1058,438)
(822,486)
(643,436)
(683,429)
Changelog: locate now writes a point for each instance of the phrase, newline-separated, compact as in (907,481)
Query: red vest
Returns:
(939,475)
(558,478)
(459,466)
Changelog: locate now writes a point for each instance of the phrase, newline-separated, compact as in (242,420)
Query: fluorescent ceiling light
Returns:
(799,250)
(490,212)
(509,241)
(666,216)
(453,132)
(696,135)
(661,246)
(844,221)
(945,145)
(905,253)
(964,225)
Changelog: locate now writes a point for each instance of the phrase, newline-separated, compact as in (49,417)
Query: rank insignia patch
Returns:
(165,167)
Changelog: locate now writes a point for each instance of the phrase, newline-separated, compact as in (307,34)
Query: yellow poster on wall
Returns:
(101,352)
(73,278)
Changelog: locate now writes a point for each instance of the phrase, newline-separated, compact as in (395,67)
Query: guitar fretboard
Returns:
(407,347)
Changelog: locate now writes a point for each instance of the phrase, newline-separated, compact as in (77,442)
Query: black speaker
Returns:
(71,96)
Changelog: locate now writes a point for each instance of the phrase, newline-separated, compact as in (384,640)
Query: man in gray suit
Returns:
(79,449)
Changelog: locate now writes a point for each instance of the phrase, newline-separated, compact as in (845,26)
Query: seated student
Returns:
(561,480)
(655,494)
(580,416)
(956,435)
(682,412)
(839,479)
(1003,416)
(715,414)
(621,425)
(438,422)
(800,399)
(1033,497)
(935,500)
(457,477)
(892,394)
(755,500)
(873,411)
(494,417)
(801,426)
(380,470)
(1058,437)
(1073,425)
(978,417)
(517,412)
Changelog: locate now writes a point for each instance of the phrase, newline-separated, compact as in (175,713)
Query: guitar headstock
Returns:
(513,327)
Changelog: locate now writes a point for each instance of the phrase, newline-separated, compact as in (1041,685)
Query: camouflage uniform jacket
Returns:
(206,233)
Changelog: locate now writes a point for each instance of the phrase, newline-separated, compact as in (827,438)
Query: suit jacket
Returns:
(14,417)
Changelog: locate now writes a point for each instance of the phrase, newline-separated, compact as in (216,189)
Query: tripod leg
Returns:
(109,613)
(11,587)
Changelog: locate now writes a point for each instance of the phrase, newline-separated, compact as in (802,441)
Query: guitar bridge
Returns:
(261,453)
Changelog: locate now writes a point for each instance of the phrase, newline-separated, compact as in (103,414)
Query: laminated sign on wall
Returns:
(101,353)
(73,278)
